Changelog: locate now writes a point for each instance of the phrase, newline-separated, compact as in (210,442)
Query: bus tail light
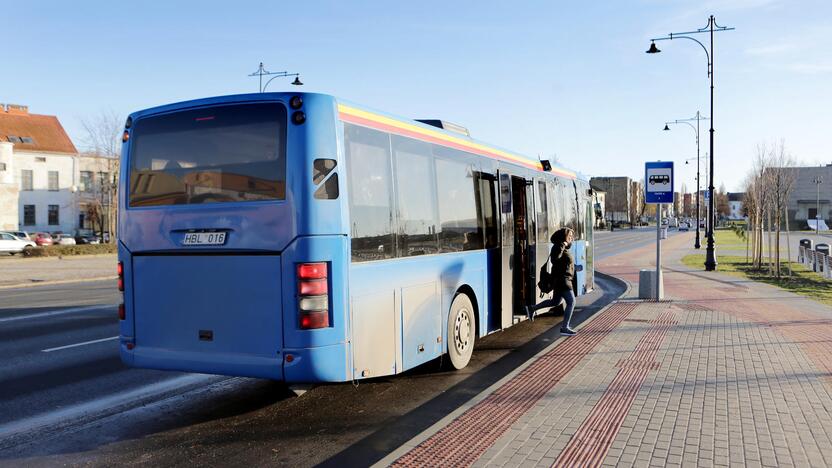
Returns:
(121,312)
(313,295)
(314,319)
(120,270)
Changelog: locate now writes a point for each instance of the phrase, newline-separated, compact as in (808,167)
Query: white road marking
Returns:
(79,344)
(57,312)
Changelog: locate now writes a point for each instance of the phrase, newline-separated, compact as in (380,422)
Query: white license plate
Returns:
(204,238)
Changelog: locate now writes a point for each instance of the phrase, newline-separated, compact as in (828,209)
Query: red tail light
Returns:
(313,288)
(121,313)
(312,271)
(120,270)
(314,319)
(313,297)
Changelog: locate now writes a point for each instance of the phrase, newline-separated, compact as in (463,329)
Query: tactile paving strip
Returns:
(592,440)
(467,437)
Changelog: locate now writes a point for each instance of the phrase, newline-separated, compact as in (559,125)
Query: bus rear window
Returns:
(211,155)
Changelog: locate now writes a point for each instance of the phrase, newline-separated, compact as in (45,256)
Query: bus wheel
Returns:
(461,331)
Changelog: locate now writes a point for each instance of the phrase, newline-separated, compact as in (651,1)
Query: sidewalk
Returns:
(726,371)
(20,272)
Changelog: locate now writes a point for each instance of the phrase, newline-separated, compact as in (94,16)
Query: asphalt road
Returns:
(65,397)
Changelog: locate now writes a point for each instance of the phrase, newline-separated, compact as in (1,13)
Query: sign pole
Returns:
(658,190)
(659,292)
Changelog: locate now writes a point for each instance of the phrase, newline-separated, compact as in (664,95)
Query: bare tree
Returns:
(103,138)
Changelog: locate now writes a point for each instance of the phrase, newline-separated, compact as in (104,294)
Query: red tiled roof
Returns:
(45,131)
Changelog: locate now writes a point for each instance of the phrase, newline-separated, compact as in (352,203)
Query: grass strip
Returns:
(803,281)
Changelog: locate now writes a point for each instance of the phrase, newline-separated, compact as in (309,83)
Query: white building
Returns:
(43,165)
(735,201)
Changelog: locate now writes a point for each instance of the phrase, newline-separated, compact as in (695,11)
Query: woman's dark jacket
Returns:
(563,268)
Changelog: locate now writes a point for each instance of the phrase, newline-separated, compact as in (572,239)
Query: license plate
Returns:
(204,238)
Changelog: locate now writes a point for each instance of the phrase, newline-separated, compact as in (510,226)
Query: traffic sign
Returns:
(658,182)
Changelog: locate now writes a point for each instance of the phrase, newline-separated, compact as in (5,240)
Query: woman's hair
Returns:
(560,235)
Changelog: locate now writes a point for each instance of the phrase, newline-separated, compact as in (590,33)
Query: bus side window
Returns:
(321,169)
(542,213)
(487,208)
(416,206)
(369,174)
(459,225)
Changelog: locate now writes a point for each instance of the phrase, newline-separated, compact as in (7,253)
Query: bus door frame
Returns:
(506,249)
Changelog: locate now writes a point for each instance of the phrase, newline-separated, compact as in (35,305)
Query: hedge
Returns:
(64,250)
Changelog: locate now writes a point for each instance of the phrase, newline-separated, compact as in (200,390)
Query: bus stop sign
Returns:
(658,182)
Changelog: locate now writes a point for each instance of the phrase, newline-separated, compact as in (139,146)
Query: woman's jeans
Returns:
(566,296)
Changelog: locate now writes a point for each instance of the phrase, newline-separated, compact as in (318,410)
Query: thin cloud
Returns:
(811,68)
(770,49)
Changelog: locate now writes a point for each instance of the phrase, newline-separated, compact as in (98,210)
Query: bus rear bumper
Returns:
(320,364)
(205,363)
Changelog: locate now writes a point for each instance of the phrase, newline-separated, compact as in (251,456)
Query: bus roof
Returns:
(364,116)
(360,115)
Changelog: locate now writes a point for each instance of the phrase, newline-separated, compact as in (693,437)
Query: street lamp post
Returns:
(698,117)
(710,255)
(261,72)
(817,181)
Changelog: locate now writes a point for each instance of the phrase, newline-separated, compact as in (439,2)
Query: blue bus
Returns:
(298,237)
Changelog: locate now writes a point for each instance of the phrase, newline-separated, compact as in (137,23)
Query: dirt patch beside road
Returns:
(16,272)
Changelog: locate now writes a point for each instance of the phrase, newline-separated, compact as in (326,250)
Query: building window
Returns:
(26,180)
(2,166)
(54,220)
(28,215)
(40,159)
(103,179)
(86,181)
(53,181)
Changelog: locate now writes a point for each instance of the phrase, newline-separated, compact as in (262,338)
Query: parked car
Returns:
(22,235)
(683,226)
(13,245)
(42,239)
(84,236)
(62,239)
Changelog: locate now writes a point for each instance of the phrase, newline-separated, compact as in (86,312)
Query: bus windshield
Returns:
(216,154)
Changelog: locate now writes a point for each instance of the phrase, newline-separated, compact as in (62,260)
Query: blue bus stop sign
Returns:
(658,182)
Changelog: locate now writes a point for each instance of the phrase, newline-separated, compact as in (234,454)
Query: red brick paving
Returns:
(467,437)
(590,444)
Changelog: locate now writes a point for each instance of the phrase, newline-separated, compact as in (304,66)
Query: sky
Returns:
(541,78)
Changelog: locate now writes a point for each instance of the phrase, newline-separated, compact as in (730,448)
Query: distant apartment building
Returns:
(97,179)
(42,164)
(809,199)
(735,200)
(619,200)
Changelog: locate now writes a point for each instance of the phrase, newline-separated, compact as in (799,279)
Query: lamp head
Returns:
(666,128)
(297,81)
(653,49)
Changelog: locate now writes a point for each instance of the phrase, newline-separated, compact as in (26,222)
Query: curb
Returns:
(439,425)
(54,282)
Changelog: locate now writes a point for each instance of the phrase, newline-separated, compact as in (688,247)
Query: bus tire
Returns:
(461,331)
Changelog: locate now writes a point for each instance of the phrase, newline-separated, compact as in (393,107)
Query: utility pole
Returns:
(817,181)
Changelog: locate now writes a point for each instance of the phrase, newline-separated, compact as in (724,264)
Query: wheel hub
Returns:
(462,330)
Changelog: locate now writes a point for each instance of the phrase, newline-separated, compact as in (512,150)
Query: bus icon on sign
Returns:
(659,179)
